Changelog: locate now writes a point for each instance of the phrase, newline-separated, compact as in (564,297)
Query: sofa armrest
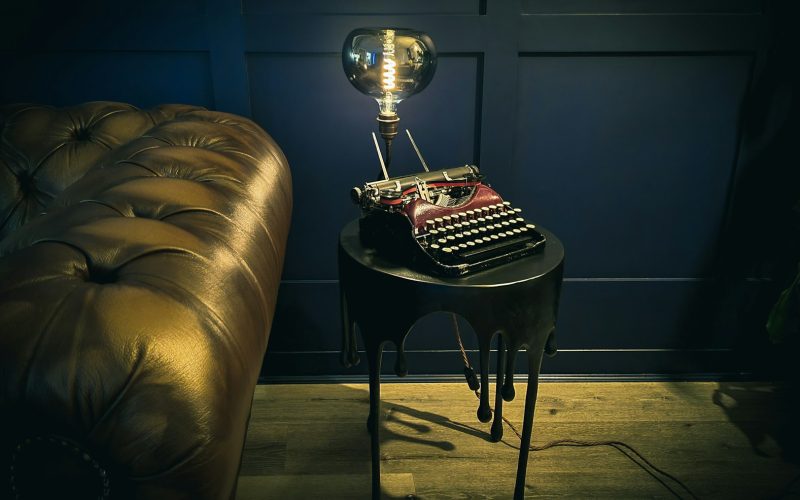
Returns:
(134,314)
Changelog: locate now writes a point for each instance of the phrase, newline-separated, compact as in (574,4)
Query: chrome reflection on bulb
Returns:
(389,64)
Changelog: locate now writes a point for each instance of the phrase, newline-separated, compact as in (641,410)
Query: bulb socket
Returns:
(387,125)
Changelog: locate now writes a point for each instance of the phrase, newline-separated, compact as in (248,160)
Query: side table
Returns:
(518,301)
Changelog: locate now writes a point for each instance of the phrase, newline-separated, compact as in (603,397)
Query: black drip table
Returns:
(518,300)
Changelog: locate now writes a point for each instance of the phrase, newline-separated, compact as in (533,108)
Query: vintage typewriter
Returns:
(446,222)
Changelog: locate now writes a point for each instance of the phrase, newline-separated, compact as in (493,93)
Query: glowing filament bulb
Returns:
(389,63)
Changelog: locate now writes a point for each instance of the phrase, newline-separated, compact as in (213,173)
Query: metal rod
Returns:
(419,155)
(388,153)
(380,156)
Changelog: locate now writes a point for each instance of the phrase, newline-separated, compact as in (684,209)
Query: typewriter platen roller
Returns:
(445,221)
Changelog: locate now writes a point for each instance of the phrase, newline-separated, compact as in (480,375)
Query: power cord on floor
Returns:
(627,450)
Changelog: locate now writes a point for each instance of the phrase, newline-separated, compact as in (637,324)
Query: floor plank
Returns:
(723,440)
(322,486)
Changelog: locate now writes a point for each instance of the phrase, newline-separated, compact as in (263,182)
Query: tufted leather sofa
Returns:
(140,256)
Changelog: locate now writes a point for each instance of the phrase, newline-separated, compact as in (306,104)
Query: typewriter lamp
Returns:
(447,222)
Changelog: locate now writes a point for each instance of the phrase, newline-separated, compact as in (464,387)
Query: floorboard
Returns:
(723,440)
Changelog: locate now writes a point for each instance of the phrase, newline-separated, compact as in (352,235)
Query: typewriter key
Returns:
(517,231)
(442,241)
(470,214)
(433,232)
(494,237)
(439,222)
(458,225)
(507,204)
(435,247)
(462,246)
(530,226)
(447,219)
(470,243)
(451,237)
(447,250)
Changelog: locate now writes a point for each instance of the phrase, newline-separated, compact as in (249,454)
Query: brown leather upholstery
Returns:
(135,312)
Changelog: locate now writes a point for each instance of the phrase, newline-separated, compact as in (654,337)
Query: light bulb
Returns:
(390,65)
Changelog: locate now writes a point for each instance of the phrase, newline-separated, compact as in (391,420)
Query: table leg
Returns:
(551,346)
(484,411)
(374,355)
(508,381)
(497,424)
(349,354)
(534,365)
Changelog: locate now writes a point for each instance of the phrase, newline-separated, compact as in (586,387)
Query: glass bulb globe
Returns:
(389,64)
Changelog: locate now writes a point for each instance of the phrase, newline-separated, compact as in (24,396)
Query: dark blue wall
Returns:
(625,126)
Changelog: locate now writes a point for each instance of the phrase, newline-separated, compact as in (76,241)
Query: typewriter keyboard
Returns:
(479,238)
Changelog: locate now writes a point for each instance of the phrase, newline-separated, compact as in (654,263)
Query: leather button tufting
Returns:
(101,276)
(81,134)
(26,182)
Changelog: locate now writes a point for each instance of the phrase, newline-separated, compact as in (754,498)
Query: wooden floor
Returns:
(723,440)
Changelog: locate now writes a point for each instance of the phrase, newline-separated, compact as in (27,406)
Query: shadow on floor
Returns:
(316,456)
(745,406)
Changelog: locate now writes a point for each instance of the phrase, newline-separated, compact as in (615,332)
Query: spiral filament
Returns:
(389,64)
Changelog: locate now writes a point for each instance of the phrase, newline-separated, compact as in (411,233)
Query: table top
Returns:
(521,270)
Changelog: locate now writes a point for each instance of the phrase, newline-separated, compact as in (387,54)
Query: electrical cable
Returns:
(629,451)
